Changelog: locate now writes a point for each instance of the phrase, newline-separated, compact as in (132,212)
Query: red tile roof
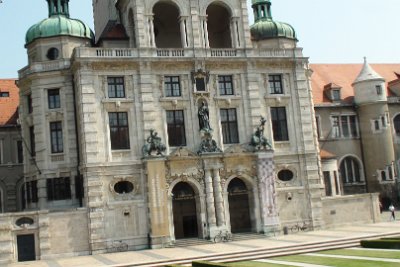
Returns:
(344,75)
(326,155)
(9,105)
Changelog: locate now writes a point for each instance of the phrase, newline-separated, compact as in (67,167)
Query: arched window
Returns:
(396,123)
(350,170)
(383,175)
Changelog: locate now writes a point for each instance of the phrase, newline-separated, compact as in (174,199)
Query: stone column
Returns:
(218,198)
(158,209)
(184,37)
(269,209)
(210,200)
(42,193)
(205,32)
(150,25)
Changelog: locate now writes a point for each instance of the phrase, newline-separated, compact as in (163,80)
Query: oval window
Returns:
(24,221)
(285,175)
(52,53)
(123,187)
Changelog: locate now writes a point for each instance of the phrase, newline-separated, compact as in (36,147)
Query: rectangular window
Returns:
(53,97)
(378,89)
(56,137)
(29,103)
(229,126)
(318,124)
(20,157)
(4,94)
(279,123)
(336,95)
(172,86)
(344,126)
(31,192)
(327,181)
(32,141)
(58,188)
(275,84)
(119,130)
(225,85)
(200,84)
(116,87)
(176,128)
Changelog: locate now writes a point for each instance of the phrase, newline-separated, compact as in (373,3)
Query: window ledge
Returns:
(388,181)
(115,100)
(353,184)
(57,157)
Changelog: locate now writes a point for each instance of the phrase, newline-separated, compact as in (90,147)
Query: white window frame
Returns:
(338,134)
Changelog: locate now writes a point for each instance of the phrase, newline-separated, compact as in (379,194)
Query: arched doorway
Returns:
(239,208)
(219,29)
(184,211)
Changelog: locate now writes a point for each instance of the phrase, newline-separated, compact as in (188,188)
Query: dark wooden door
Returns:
(26,247)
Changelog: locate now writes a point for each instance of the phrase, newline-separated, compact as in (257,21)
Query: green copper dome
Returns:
(58,23)
(265,27)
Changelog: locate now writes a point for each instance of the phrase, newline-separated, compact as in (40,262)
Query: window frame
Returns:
(53,98)
(113,87)
(280,127)
(348,162)
(58,188)
(32,141)
(344,126)
(175,128)
(169,86)
(223,82)
(273,81)
(120,139)
(230,130)
(56,137)
(20,152)
(4,94)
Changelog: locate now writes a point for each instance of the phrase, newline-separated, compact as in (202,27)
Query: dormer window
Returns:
(335,94)
(378,89)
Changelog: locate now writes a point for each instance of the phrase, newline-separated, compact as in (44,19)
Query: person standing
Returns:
(392,215)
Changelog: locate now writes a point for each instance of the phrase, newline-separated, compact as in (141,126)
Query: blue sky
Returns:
(340,31)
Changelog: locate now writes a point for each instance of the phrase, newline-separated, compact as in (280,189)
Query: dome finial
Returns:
(58,7)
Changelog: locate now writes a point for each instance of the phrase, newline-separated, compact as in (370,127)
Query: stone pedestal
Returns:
(159,235)
(266,176)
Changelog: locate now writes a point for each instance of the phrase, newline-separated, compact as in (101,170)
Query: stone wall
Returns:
(354,209)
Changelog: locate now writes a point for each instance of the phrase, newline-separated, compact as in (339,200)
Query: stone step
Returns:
(266,252)
(187,242)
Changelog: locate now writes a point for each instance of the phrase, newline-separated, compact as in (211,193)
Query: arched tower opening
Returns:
(167,31)
(219,26)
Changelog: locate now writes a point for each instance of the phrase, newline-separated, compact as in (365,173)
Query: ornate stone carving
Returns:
(125,196)
(258,141)
(154,144)
(182,152)
(208,145)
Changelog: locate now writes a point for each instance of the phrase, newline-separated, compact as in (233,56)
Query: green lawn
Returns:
(336,262)
(364,253)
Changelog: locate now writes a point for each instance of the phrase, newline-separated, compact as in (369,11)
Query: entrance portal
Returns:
(184,211)
(26,247)
(239,209)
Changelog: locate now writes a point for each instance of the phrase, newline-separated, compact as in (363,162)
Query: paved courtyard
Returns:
(302,242)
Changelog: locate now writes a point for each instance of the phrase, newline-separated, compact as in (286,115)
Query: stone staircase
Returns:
(264,252)
(188,242)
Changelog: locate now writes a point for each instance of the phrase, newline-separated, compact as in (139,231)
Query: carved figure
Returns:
(153,144)
(258,141)
(208,145)
(204,117)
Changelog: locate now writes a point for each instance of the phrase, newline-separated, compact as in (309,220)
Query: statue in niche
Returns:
(154,144)
(258,141)
(204,117)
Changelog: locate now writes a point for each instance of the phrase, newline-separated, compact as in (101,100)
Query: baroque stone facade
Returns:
(181,75)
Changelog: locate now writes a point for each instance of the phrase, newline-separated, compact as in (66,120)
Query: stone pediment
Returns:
(182,152)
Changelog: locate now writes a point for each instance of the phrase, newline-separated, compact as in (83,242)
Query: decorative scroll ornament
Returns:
(154,144)
(258,141)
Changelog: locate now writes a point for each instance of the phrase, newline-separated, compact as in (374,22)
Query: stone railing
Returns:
(45,66)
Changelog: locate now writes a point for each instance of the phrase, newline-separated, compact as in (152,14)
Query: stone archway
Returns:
(184,211)
(239,206)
